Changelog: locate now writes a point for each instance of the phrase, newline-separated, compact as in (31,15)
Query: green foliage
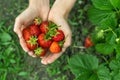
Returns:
(115,67)
(105,16)
(86,67)
(10,62)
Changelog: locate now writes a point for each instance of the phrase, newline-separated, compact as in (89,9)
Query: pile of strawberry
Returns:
(43,36)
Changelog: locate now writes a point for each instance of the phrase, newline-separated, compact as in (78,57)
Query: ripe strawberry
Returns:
(40,51)
(88,43)
(59,36)
(55,47)
(43,41)
(34,30)
(26,33)
(31,47)
(32,43)
(44,27)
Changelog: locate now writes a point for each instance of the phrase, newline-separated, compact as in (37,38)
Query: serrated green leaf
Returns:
(85,67)
(115,4)
(103,73)
(115,67)
(82,64)
(4,37)
(109,22)
(104,48)
(102,4)
(115,64)
(110,38)
(96,16)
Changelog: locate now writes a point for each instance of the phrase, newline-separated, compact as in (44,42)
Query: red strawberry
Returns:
(88,43)
(34,30)
(26,33)
(55,47)
(32,43)
(44,27)
(59,36)
(40,51)
(30,46)
(43,41)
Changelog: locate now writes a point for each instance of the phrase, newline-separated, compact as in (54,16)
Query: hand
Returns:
(58,14)
(36,8)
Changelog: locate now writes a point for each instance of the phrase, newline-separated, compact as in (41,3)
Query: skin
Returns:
(36,8)
(57,14)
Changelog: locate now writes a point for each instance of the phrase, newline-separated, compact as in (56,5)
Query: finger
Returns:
(31,53)
(52,57)
(17,27)
(44,58)
(23,44)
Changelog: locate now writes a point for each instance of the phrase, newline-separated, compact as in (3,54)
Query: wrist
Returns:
(63,7)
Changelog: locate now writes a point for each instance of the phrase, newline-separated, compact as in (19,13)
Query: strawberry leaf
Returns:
(115,4)
(86,67)
(96,16)
(109,22)
(115,67)
(83,64)
(105,48)
(102,4)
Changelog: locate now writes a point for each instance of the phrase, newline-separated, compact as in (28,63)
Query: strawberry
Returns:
(40,51)
(44,27)
(34,30)
(43,41)
(55,47)
(31,47)
(32,43)
(59,36)
(88,43)
(26,33)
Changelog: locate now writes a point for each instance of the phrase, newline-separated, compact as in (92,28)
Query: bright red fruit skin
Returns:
(31,47)
(59,37)
(88,43)
(26,33)
(44,27)
(34,30)
(43,52)
(42,42)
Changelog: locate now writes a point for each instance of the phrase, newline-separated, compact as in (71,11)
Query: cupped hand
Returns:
(61,21)
(36,8)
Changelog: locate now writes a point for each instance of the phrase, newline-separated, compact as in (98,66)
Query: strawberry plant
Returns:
(105,15)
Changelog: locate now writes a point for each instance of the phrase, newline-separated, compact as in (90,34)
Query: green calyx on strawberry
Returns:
(37,21)
(33,40)
(40,51)
(52,31)
(32,43)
